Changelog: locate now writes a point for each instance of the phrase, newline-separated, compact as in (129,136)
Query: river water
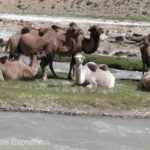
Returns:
(64,67)
(36,131)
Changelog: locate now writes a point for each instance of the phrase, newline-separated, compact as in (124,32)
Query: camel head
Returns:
(79,58)
(145,42)
(96,30)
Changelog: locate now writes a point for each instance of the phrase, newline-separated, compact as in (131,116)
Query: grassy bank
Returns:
(113,62)
(118,18)
(62,93)
(116,62)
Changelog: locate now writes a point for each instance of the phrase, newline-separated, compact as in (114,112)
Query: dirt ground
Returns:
(121,8)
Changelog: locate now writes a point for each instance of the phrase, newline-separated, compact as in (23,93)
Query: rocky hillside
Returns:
(123,8)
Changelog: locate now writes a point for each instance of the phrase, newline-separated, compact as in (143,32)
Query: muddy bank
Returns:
(56,109)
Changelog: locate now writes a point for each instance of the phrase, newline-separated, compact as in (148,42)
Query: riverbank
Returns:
(59,96)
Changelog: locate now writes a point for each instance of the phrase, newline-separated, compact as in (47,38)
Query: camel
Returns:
(145,52)
(145,82)
(62,43)
(14,41)
(90,75)
(17,69)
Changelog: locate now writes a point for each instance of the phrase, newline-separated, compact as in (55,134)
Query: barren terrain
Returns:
(119,8)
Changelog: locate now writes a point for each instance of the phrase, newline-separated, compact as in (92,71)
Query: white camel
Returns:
(91,75)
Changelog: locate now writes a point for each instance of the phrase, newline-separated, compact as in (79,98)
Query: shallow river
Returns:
(36,131)
(64,67)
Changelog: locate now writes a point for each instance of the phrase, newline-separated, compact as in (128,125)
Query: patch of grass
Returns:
(116,62)
(113,62)
(61,92)
(119,18)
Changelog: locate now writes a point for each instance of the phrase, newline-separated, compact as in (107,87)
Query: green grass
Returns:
(116,62)
(124,96)
(113,62)
(91,16)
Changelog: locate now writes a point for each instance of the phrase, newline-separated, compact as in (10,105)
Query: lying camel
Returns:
(91,75)
(145,82)
(17,69)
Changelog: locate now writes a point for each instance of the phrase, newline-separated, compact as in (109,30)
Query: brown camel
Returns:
(14,40)
(145,52)
(63,44)
(17,69)
(145,82)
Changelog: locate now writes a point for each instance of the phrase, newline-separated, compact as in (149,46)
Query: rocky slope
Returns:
(122,8)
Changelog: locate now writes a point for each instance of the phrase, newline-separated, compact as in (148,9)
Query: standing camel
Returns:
(14,41)
(145,52)
(17,69)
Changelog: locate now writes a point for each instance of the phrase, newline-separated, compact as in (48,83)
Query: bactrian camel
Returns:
(145,52)
(17,69)
(145,82)
(90,75)
(63,44)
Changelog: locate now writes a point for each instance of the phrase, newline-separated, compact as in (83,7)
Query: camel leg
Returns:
(52,69)
(1,76)
(92,84)
(44,72)
(44,68)
(143,66)
(71,66)
(50,57)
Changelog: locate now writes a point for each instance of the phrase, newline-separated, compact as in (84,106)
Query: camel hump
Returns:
(26,29)
(103,67)
(56,28)
(42,31)
(3,59)
(92,66)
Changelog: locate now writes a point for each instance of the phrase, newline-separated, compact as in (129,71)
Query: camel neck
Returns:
(34,64)
(95,38)
(91,44)
(79,73)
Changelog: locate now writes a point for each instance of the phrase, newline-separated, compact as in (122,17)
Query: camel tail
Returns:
(112,81)
(8,43)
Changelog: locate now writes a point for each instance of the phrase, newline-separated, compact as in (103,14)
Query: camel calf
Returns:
(91,75)
(17,69)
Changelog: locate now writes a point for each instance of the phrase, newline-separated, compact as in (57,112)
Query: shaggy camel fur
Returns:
(14,41)
(145,52)
(17,69)
(145,82)
(91,75)
(53,42)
